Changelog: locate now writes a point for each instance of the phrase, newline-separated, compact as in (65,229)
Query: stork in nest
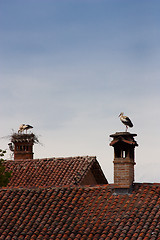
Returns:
(24,127)
(125,120)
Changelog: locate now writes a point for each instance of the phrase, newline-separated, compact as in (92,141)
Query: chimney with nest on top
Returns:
(23,145)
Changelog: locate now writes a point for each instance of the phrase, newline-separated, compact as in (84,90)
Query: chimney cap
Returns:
(125,137)
(117,134)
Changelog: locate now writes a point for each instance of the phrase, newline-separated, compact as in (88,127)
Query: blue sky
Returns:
(70,67)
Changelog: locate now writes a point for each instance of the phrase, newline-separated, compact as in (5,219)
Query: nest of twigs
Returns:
(24,137)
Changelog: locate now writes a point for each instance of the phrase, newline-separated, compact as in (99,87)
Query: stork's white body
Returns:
(24,127)
(126,121)
(21,129)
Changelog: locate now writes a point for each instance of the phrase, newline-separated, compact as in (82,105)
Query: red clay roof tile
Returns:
(80,213)
(53,171)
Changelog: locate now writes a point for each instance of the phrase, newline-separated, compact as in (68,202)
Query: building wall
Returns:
(89,179)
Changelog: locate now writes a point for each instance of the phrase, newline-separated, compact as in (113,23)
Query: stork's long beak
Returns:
(121,114)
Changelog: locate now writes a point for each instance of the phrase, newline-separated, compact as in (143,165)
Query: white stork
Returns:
(125,120)
(20,130)
(24,127)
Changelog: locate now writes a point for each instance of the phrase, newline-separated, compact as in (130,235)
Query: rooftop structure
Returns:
(55,172)
(80,213)
(23,145)
(124,160)
(70,198)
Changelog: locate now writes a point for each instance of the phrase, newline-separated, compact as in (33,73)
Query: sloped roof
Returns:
(80,213)
(53,171)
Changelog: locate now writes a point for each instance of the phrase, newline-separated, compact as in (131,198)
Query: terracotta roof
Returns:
(53,171)
(80,213)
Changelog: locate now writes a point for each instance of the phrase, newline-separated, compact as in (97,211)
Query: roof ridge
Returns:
(52,158)
(69,186)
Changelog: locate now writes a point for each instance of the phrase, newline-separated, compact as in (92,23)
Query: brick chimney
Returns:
(23,145)
(124,145)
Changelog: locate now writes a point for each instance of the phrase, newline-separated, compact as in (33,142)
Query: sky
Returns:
(69,67)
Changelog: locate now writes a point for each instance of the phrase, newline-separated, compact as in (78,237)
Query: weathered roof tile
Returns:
(53,171)
(80,213)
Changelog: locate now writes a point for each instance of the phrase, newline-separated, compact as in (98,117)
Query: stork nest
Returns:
(22,137)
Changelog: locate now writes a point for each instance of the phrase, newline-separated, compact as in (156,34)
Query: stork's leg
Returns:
(126,128)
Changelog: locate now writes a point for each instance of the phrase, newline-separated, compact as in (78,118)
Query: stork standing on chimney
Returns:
(125,120)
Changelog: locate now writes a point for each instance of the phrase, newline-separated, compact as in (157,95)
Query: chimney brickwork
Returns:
(124,145)
(23,146)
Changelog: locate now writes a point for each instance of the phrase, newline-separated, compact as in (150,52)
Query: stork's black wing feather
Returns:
(128,121)
(29,126)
